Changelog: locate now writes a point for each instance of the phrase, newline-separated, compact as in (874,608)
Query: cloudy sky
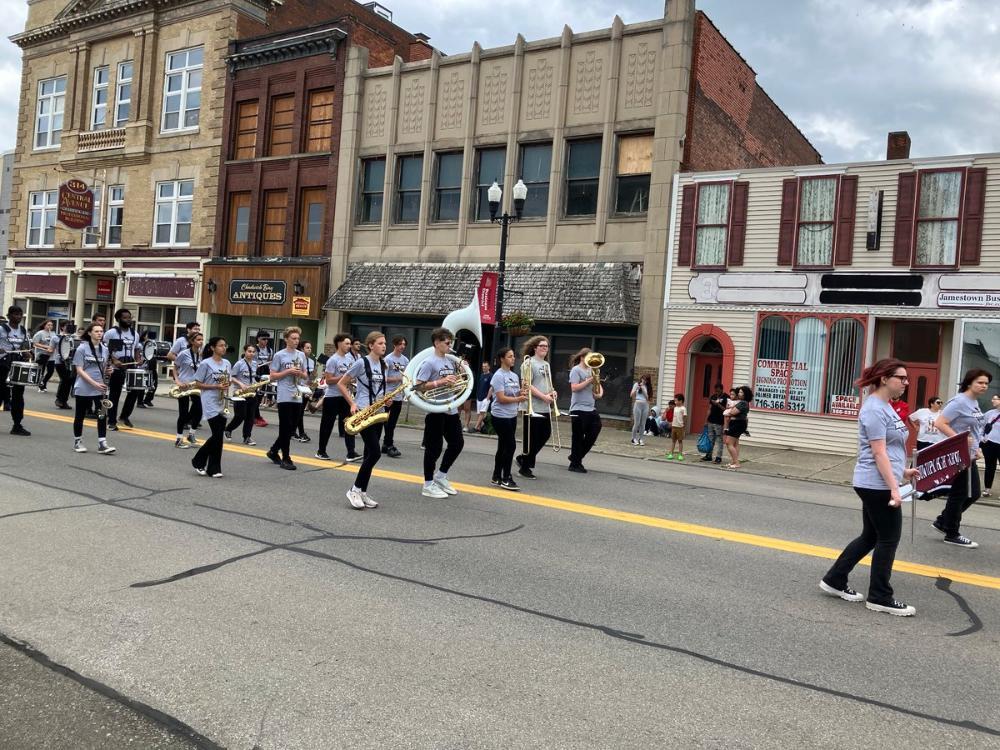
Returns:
(846,71)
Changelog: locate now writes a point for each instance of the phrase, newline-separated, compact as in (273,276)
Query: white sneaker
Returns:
(847,593)
(893,608)
(106,450)
(434,491)
(80,448)
(641,443)
(445,485)
(217,475)
(354,498)
(200,472)
(368,501)
(179,443)
(635,442)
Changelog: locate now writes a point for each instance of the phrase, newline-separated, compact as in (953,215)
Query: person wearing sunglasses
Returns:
(923,419)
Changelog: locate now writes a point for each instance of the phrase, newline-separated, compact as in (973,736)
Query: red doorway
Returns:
(706,371)
(918,345)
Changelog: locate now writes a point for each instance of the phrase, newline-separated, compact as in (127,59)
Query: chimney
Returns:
(898,146)
(421,48)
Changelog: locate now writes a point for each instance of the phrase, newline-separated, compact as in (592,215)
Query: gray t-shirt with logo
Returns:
(963,413)
(362,396)
(209,372)
(436,368)
(286,387)
(878,421)
(540,380)
(508,383)
(84,359)
(396,365)
(583,399)
(337,366)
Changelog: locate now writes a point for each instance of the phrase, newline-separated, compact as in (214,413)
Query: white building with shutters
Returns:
(791,280)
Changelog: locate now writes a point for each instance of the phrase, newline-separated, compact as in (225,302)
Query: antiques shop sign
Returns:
(256,292)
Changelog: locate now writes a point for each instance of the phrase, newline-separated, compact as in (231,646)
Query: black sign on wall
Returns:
(256,292)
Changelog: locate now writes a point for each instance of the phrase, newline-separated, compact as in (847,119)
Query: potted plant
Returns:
(517,323)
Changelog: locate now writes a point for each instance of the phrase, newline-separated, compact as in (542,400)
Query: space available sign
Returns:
(969,299)
(845,406)
(256,292)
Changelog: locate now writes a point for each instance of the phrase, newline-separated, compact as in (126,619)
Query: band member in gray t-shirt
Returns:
(395,363)
(14,343)
(188,407)
(437,371)
(288,372)
(92,364)
(508,395)
(370,375)
(212,378)
(334,404)
(538,424)
(584,419)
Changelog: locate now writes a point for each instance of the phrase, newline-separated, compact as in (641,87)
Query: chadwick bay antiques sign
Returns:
(256,292)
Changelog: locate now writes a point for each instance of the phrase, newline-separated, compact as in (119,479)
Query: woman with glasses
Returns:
(880,470)
(927,433)
(538,424)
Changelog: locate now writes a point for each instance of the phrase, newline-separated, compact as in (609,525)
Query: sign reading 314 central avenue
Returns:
(76,205)
(256,292)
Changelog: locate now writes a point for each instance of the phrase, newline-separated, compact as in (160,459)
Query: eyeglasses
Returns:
(542,346)
(902,378)
(938,402)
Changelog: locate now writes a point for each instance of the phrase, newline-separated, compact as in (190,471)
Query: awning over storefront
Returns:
(569,292)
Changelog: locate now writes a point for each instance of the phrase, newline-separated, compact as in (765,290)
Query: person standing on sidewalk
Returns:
(641,392)
(962,413)
(678,424)
(991,443)
(880,468)
(717,404)
(483,395)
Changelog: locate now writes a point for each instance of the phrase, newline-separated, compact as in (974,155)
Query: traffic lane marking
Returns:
(596,511)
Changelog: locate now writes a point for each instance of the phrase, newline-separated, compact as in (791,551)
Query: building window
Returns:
(275,216)
(939,203)
(173,213)
(408,189)
(312,209)
(808,363)
(99,113)
(490,163)
(92,234)
(448,187)
(42,218)
(282,119)
(372,187)
(536,168)
(712,225)
(246,130)
(815,228)
(635,163)
(239,225)
(123,94)
(319,136)
(49,120)
(583,167)
(182,90)
(116,214)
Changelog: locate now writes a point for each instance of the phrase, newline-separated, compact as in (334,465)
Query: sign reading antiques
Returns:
(256,292)
(76,205)
(969,299)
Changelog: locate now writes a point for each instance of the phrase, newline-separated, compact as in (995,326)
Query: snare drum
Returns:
(148,350)
(137,380)
(162,349)
(23,373)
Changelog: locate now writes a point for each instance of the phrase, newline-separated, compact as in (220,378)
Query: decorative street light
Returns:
(495,195)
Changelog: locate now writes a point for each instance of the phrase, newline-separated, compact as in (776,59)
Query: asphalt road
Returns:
(642,605)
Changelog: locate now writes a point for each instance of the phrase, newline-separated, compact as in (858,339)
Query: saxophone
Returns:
(105,404)
(375,413)
(224,393)
(252,388)
(180,392)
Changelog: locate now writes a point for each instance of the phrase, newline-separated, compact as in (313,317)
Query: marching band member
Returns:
(334,404)
(396,363)
(42,343)
(244,374)
(262,361)
(507,396)
(212,375)
(146,399)
(584,419)
(188,407)
(93,367)
(181,342)
(66,371)
(370,374)
(13,338)
(438,370)
(126,352)
(286,367)
(306,348)
(538,424)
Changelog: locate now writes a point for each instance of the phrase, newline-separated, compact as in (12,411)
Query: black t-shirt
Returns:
(716,405)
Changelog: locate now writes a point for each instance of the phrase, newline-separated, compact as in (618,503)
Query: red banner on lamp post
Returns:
(938,464)
(487,295)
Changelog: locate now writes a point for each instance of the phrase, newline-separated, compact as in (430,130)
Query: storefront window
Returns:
(981,350)
(808,363)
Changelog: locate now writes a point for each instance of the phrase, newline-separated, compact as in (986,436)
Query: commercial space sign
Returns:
(76,205)
(775,378)
(256,292)
(487,295)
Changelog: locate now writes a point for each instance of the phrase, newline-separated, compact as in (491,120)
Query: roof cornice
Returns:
(253,54)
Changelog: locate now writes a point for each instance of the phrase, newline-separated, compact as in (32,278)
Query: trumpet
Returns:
(374,413)
(595,361)
(224,381)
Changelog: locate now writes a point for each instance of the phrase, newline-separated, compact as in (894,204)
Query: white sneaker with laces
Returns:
(847,593)
(961,541)
(354,498)
(79,447)
(641,443)
(368,501)
(106,450)
(445,485)
(434,490)
(893,608)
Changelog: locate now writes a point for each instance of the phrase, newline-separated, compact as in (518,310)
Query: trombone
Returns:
(557,446)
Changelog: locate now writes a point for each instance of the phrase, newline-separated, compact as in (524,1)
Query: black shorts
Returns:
(736,428)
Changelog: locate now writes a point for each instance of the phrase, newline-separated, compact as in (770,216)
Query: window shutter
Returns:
(786,234)
(848,206)
(902,241)
(738,223)
(686,241)
(972,216)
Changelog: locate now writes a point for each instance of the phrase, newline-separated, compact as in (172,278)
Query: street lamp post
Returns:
(495,195)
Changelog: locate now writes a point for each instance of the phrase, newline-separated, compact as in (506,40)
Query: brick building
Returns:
(597,124)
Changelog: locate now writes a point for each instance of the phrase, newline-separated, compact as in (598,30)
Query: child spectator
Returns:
(678,423)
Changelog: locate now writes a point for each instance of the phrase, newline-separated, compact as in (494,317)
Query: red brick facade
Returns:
(732,122)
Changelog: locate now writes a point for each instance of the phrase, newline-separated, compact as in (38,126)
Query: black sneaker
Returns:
(393,452)
(322,456)
(303,438)
(961,541)
(18,430)
(578,468)
(275,459)
(249,441)
(520,459)
(526,473)
(892,608)
(847,593)
(126,422)
(227,434)
(718,460)
(510,485)
(707,458)
(385,449)
(288,465)
(352,457)
(495,481)
(936,525)
(113,427)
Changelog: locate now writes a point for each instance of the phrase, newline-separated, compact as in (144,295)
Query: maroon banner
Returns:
(487,294)
(938,464)
(76,205)
(105,289)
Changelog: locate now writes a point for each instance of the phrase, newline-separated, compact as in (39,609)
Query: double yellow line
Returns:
(596,511)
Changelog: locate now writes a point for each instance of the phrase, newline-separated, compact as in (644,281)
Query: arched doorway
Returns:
(704,357)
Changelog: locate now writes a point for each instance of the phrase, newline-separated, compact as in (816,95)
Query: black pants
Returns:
(506,429)
(880,536)
(154,381)
(652,426)
(390,427)
(67,374)
(959,500)
(371,437)
(242,415)
(45,368)
(334,408)
(209,455)
(116,383)
(991,452)
(288,414)
(586,426)
(83,405)
(188,412)
(13,395)
(537,434)
(300,426)
(440,429)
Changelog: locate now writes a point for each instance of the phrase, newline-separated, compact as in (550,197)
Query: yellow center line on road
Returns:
(596,511)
